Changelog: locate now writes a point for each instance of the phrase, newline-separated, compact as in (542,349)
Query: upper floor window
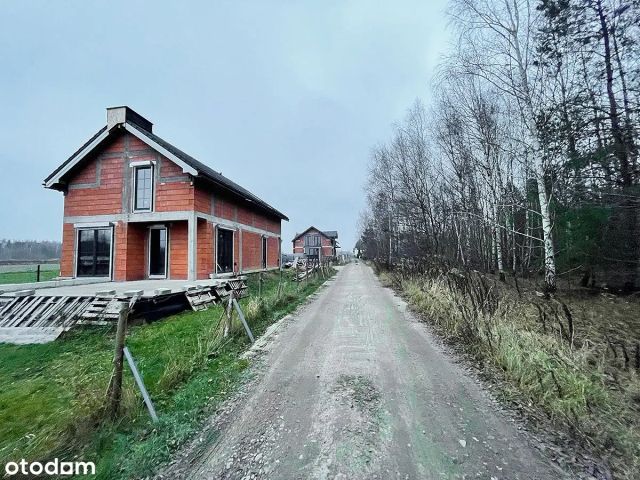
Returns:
(143,188)
(312,241)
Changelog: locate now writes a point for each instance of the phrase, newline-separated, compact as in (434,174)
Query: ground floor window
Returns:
(312,252)
(224,251)
(94,252)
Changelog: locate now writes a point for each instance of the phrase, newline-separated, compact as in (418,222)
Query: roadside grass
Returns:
(52,396)
(578,381)
(27,277)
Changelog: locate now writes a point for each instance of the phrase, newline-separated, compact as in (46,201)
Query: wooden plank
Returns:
(37,312)
(33,302)
(8,306)
(15,310)
(63,315)
(47,316)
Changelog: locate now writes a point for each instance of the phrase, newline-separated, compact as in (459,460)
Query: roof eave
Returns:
(265,208)
(186,168)
(55,177)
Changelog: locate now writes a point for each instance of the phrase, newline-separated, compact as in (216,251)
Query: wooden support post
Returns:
(115,387)
(243,320)
(38,273)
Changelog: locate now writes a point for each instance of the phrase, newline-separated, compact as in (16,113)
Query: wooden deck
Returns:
(42,315)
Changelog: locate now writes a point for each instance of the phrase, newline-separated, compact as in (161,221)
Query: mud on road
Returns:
(353,386)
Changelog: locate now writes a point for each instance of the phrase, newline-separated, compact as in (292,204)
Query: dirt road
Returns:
(355,387)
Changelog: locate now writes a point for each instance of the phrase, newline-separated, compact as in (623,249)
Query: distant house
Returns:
(314,243)
(136,207)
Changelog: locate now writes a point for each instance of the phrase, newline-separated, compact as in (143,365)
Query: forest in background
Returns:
(526,161)
(26,250)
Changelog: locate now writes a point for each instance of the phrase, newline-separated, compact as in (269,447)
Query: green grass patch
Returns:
(27,277)
(52,396)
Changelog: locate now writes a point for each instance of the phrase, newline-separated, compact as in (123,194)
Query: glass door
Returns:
(93,257)
(224,250)
(158,252)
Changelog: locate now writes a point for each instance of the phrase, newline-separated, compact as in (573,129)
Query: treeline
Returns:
(527,159)
(29,250)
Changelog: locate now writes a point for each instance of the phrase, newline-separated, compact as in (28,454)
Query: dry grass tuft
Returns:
(546,352)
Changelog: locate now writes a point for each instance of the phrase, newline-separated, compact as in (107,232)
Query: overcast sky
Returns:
(286,98)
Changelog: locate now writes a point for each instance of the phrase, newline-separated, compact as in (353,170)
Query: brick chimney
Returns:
(120,115)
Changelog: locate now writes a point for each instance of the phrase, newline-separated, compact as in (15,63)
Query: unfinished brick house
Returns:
(314,243)
(136,207)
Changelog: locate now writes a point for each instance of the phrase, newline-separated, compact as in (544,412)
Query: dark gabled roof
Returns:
(204,172)
(75,154)
(330,234)
(211,175)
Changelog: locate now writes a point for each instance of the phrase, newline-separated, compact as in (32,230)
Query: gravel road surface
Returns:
(354,387)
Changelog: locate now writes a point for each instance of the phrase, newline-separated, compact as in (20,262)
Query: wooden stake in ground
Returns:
(115,386)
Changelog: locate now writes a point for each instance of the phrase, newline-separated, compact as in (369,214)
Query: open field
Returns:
(26,273)
(52,396)
(571,362)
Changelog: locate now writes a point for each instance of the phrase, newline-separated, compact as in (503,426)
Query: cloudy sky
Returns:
(286,98)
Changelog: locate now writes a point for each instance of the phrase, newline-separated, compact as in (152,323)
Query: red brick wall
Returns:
(136,252)
(245,216)
(174,196)
(224,208)
(68,250)
(273,252)
(178,251)
(120,252)
(202,202)
(251,251)
(101,200)
(205,249)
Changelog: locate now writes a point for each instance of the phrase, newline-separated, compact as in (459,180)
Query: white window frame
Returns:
(166,253)
(135,166)
(77,246)
(233,249)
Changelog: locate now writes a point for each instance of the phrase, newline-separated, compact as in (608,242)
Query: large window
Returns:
(312,241)
(143,188)
(94,253)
